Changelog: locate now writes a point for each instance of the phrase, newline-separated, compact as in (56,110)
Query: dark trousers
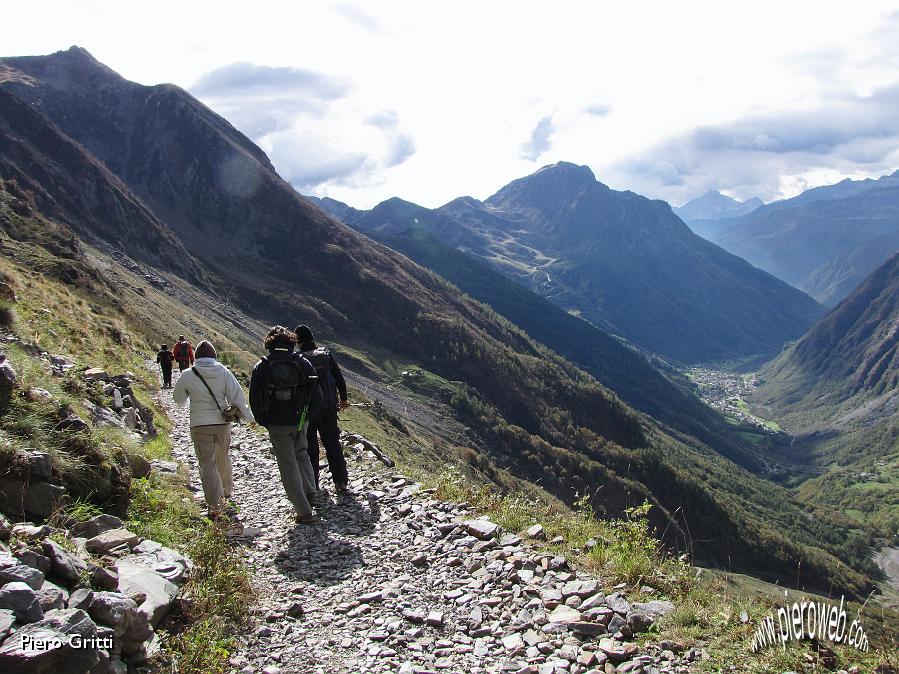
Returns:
(325,424)
(167,375)
(183,365)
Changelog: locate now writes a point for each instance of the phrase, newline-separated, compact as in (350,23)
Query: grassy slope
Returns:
(86,323)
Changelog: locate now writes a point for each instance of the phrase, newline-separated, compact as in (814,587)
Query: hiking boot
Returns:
(342,487)
(234,530)
(311,518)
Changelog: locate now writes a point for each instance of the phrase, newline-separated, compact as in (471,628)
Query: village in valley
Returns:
(727,393)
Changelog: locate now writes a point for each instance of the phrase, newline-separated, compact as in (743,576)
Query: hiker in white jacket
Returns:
(209,431)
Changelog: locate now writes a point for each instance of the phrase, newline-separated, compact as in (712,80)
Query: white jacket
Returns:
(203,410)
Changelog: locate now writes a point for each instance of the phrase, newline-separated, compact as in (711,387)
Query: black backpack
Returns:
(321,361)
(286,392)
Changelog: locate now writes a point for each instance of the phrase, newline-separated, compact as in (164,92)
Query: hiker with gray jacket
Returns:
(211,389)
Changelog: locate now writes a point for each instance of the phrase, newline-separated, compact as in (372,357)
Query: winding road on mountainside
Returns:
(431,418)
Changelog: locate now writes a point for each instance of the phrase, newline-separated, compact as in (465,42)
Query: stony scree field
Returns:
(392,580)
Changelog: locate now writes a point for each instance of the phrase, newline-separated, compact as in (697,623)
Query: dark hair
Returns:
(304,334)
(180,338)
(165,346)
(279,337)
(205,349)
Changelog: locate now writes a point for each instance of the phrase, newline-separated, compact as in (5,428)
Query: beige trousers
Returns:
(211,444)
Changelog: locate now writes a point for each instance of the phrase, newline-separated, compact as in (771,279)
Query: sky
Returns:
(363,101)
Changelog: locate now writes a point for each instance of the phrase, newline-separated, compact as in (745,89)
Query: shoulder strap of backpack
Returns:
(214,399)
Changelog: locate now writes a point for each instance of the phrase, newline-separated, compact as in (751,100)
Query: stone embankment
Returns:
(94,593)
(78,596)
(393,580)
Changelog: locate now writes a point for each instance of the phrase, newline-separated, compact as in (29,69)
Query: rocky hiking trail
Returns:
(393,580)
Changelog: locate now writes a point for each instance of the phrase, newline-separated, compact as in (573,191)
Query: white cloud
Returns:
(773,155)
(540,140)
(628,86)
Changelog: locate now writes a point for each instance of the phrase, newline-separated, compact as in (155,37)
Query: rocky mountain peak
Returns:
(713,205)
(568,168)
(463,202)
(71,69)
(545,189)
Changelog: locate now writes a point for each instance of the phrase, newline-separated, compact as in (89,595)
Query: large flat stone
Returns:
(579,588)
(52,596)
(110,540)
(587,628)
(159,593)
(23,655)
(655,608)
(23,574)
(171,565)
(564,614)
(114,610)
(34,559)
(97,525)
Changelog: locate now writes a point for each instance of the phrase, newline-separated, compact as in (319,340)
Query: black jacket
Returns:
(259,380)
(330,396)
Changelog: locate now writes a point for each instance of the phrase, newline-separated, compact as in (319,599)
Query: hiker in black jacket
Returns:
(325,423)
(164,358)
(284,395)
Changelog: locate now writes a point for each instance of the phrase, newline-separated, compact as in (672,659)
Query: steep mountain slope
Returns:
(714,206)
(836,388)
(824,241)
(98,207)
(267,252)
(852,351)
(621,261)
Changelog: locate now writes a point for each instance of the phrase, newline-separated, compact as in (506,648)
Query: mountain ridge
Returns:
(714,206)
(824,241)
(620,261)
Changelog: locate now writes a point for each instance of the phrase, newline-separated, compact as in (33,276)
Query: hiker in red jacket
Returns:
(183,353)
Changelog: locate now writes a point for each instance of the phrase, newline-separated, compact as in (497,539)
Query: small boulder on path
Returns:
(482,529)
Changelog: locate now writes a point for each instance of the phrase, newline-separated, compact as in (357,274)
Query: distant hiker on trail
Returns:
(330,378)
(284,394)
(165,358)
(213,391)
(183,353)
